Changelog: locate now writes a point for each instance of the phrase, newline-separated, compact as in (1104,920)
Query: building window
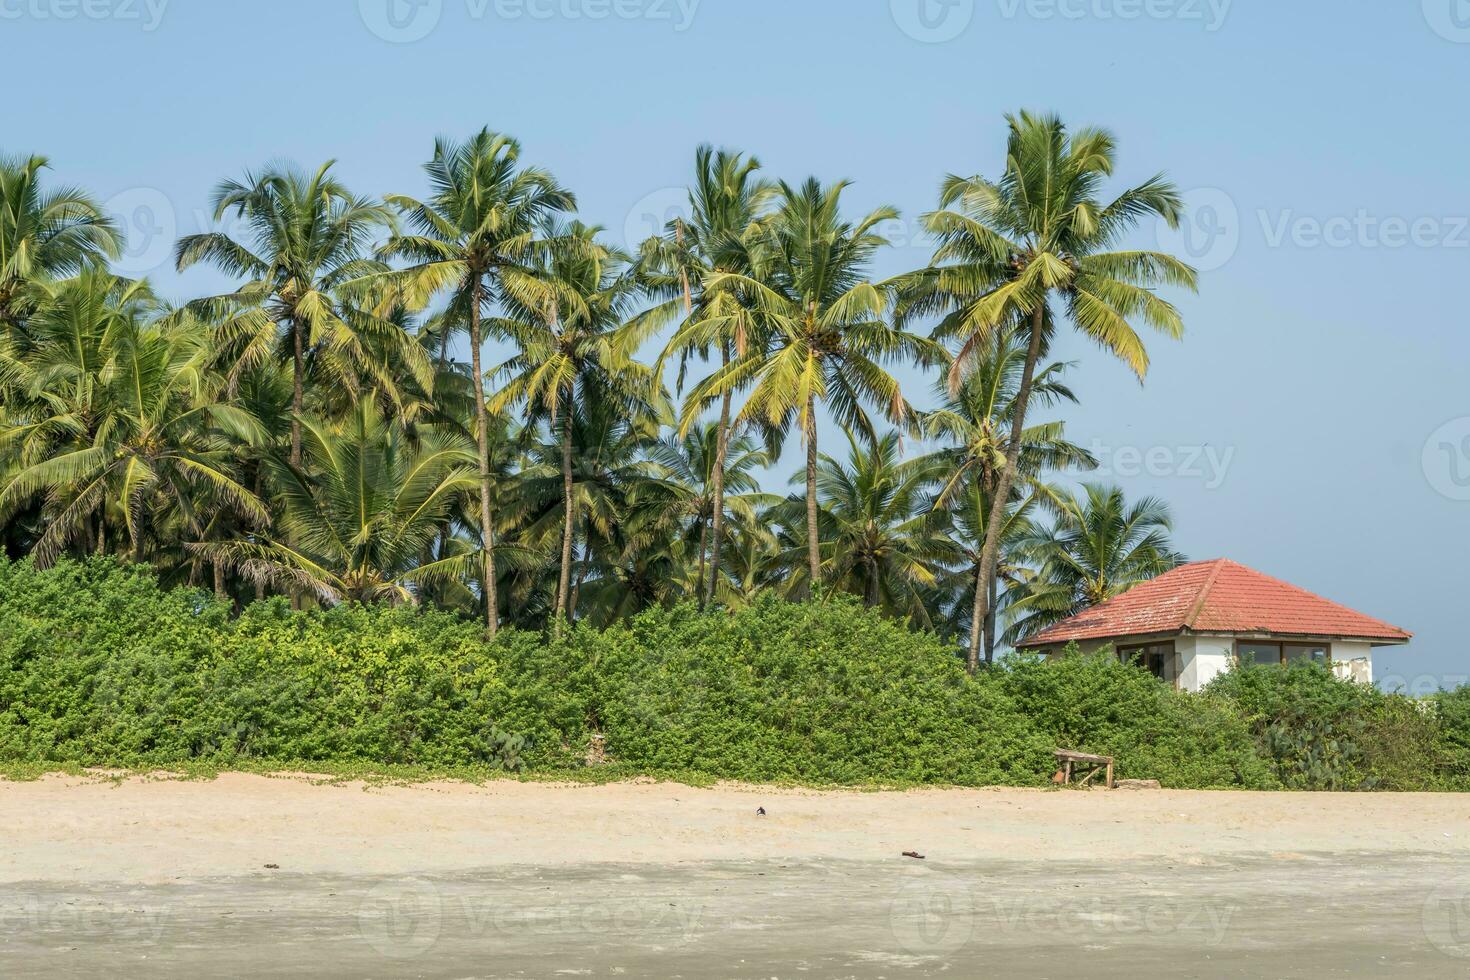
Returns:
(1258,654)
(1267,654)
(1158,659)
(1317,653)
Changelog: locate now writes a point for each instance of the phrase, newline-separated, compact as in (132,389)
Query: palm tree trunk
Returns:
(298,370)
(703,554)
(978,616)
(991,552)
(990,619)
(444,349)
(581,576)
(565,584)
(813,547)
(717,528)
(260,494)
(439,550)
(482,430)
(443,546)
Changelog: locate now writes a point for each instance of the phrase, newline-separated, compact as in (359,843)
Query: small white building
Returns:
(1193,622)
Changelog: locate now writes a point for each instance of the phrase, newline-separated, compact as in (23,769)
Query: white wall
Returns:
(1202,658)
(1353,661)
(1212,655)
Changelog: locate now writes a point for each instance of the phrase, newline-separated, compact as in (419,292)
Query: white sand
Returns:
(68,829)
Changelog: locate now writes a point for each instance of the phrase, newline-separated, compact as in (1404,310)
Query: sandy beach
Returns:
(157,830)
(282,876)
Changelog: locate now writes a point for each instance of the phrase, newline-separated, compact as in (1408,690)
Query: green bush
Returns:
(1097,704)
(1452,713)
(99,666)
(387,685)
(822,693)
(1319,732)
(1404,748)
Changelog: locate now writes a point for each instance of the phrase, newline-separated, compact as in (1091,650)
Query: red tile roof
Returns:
(1219,596)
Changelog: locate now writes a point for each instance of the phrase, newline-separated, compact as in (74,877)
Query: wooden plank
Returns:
(1096,765)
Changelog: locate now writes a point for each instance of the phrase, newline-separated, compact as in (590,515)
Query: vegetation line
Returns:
(101,667)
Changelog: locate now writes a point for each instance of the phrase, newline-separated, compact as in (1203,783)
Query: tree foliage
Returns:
(316,432)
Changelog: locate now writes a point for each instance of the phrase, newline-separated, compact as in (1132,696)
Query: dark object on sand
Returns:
(1095,764)
(275,866)
(913,854)
(760,811)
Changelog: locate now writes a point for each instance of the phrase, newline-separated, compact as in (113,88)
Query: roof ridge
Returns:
(1204,593)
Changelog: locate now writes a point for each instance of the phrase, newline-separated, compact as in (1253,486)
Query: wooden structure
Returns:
(1094,764)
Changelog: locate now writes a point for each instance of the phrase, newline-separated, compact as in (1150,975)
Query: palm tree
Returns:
(50,378)
(1098,547)
(966,515)
(755,564)
(44,234)
(310,429)
(697,481)
(609,466)
(880,537)
(825,334)
(360,511)
(1011,250)
(725,201)
(564,314)
(976,417)
(308,236)
(635,551)
(484,215)
(125,420)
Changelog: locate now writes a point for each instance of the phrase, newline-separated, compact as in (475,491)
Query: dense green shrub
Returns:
(829,693)
(99,666)
(1452,712)
(389,685)
(1319,732)
(1404,748)
(1098,704)
(96,664)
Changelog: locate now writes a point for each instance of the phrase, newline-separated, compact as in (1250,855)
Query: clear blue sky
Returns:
(1324,142)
